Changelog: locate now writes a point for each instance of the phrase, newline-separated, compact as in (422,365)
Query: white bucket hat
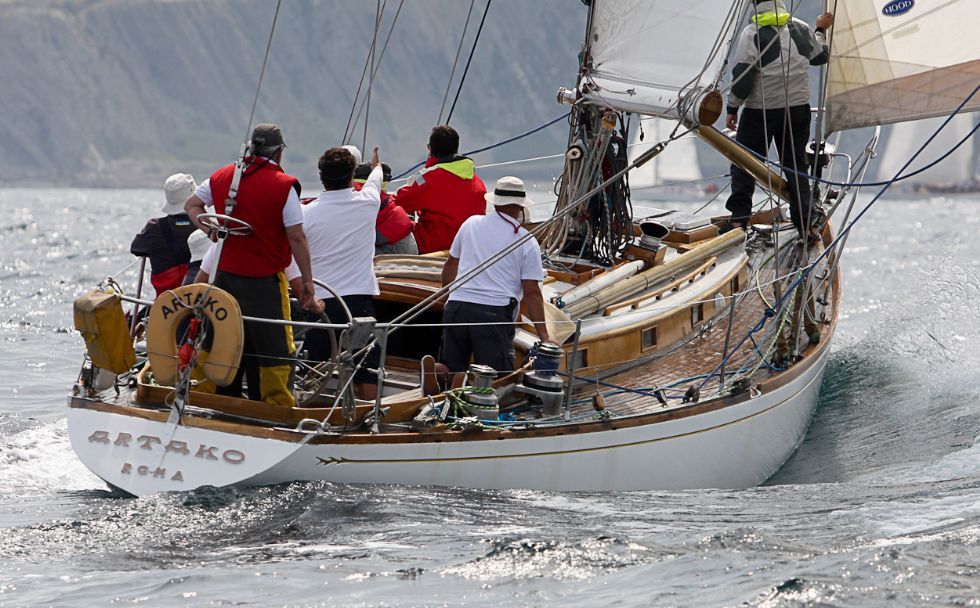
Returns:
(509,190)
(177,189)
(198,243)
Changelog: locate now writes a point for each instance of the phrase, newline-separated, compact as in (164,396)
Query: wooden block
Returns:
(690,236)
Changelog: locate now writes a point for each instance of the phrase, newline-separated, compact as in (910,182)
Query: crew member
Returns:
(250,267)
(164,239)
(444,194)
(340,224)
(488,304)
(770,82)
(393,228)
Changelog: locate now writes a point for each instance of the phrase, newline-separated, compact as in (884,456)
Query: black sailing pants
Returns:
(791,132)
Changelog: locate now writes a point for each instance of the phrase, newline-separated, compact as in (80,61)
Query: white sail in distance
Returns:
(903,140)
(897,60)
(678,163)
(655,57)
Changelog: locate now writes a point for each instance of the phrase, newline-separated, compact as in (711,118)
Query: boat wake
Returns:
(38,458)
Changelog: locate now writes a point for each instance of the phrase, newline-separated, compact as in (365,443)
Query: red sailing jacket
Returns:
(393,224)
(262,194)
(445,193)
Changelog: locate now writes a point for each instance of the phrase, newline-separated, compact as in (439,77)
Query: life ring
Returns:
(173,306)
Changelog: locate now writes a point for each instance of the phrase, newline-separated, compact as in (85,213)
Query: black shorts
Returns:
(317,342)
(491,345)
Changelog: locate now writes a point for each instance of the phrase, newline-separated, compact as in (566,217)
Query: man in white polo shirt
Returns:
(493,295)
(339,224)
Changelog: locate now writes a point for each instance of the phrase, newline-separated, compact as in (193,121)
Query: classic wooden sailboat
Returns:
(685,358)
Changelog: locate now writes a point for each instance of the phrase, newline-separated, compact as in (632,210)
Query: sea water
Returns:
(880,506)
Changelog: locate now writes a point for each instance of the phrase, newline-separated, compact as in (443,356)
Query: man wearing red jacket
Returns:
(444,194)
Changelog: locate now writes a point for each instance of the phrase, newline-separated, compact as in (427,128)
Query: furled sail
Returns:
(897,60)
(657,57)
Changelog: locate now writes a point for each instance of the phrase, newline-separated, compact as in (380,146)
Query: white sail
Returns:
(678,163)
(896,60)
(655,56)
(903,140)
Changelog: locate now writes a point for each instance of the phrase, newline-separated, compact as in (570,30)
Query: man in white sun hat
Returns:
(164,239)
(492,297)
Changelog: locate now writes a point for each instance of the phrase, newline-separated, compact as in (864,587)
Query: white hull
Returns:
(736,446)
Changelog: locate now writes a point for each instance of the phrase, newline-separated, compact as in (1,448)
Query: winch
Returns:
(543,383)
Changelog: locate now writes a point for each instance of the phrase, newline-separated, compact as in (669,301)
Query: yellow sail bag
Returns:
(100,319)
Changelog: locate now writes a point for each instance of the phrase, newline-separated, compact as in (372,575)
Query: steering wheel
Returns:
(225,224)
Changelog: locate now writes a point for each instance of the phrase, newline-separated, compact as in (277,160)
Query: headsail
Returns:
(655,57)
(897,60)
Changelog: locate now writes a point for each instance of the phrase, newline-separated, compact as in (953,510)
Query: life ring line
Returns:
(173,306)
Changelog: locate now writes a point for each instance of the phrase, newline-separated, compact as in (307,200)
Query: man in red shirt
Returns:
(444,194)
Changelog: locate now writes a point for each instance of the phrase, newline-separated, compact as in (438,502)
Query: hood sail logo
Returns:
(897,7)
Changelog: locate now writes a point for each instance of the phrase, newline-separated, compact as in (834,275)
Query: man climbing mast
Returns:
(771,84)
(251,266)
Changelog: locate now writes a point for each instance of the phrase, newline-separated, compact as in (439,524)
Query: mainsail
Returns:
(656,57)
(897,60)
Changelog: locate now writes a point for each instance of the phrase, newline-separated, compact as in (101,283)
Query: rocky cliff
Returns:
(124,92)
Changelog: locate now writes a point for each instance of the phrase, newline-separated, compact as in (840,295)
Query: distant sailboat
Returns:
(677,170)
(957,173)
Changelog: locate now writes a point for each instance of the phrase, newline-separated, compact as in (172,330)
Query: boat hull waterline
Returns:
(736,446)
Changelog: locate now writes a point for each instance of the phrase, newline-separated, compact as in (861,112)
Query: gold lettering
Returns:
(127,468)
(233,456)
(146,441)
(159,472)
(142,469)
(178,476)
(122,439)
(99,437)
(206,452)
(177,446)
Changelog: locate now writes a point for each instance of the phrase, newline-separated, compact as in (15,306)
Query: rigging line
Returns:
(466,70)
(459,51)
(360,85)
(806,270)
(265,60)
(381,56)
(367,113)
(904,177)
(490,147)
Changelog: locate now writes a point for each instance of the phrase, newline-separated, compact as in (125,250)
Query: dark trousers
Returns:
(491,345)
(757,129)
(267,360)
(317,342)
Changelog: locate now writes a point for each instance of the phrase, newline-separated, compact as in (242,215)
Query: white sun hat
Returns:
(198,243)
(355,151)
(509,190)
(177,189)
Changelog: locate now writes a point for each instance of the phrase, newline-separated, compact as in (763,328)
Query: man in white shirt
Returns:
(491,297)
(339,225)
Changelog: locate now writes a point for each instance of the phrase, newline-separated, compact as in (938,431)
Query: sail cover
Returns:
(897,60)
(649,56)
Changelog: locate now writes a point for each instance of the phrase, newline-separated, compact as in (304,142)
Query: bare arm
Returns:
(449,270)
(301,253)
(195,207)
(535,307)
